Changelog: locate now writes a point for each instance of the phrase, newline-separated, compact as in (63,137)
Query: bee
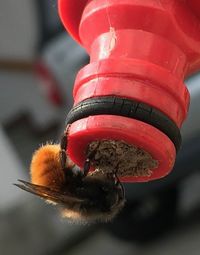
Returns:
(80,196)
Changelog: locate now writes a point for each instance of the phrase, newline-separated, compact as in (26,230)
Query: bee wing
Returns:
(47,193)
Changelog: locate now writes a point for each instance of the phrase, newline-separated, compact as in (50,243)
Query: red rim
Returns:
(84,131)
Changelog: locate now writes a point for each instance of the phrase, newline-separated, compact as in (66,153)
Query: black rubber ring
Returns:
(112,105)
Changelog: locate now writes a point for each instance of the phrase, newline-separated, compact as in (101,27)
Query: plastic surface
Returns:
(140,50)
(93,128)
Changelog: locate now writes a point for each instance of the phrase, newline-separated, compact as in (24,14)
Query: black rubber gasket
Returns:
(112,105)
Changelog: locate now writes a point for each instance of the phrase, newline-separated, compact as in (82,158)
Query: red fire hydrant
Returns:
(132,90)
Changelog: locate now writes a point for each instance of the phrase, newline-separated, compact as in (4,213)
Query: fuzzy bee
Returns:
(80,196)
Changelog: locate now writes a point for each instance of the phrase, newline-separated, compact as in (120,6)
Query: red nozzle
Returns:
(139,51)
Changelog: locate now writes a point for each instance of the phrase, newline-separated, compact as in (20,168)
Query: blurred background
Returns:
(38,64)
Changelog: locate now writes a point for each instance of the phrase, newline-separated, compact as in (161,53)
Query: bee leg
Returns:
(87,164)
(117,182)
(86,167)
(63,148)
(63,159)
(114,178)
(119,185)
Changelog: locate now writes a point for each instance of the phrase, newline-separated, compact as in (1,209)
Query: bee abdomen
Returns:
(46,167)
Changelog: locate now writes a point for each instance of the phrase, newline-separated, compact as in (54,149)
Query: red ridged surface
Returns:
(140,50)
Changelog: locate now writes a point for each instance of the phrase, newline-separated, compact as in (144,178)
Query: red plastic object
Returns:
(141,50)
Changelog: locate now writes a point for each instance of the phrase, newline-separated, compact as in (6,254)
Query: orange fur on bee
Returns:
(46,168)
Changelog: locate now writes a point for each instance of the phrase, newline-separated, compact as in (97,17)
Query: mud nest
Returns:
(127,160)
